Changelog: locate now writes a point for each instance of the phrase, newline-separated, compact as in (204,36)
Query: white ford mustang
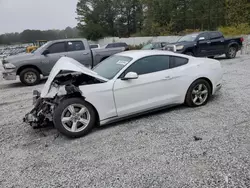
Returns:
(123,85)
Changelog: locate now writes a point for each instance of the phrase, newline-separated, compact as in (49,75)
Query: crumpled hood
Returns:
(19,58)
(68,64)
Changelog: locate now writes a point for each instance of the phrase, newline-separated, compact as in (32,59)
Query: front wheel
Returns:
(30,77)
(198,93)
(74,117)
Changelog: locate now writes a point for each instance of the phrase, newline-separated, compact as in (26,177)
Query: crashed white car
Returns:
(124,85)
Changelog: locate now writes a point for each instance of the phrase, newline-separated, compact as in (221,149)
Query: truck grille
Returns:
(170,48)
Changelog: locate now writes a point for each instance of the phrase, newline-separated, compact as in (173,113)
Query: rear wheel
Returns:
(231,53)
(74,117)
(198,93)
(30,77)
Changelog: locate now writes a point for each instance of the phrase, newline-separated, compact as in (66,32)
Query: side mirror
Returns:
(201,38)
(46,52)
(130,76)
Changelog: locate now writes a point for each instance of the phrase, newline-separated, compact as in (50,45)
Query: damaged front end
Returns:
(41,114)
(58,87)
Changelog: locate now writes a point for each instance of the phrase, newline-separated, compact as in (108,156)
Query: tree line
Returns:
(125,18)
(29,36)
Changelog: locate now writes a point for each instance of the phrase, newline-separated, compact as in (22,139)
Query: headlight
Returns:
(179,47)
(9,66)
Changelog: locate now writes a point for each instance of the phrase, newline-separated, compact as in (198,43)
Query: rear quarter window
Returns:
(215,35)
(178,61)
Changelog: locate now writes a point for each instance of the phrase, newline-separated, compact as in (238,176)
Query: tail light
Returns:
(241,39)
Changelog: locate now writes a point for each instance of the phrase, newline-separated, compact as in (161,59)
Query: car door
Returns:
(150,90)
(55,52)
(203,45)
(77,51)
(217,43)
(180,77)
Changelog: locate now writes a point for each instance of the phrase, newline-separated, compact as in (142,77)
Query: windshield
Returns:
(188,38)
(148,47)
(42,47)
(111,66)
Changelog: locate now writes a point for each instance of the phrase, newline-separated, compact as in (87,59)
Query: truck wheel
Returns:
(231,53)
(198,93)
(74,117)
(30,77)
(189,53)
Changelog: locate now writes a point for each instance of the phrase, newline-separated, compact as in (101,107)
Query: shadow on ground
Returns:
(18,85)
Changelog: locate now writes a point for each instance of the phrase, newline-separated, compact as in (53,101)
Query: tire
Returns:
(231,52)
(30,77)
(195,91)
(64,110)
(189,53)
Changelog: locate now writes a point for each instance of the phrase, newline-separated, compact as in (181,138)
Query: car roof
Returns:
(137,54)
(63,40)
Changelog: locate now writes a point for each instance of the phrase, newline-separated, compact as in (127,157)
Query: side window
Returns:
(109,46)
(149,65)
(215,35)
(178,61)
(57,48)
(75,46)
(205,35)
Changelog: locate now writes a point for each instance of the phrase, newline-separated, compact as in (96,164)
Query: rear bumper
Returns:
(9,75)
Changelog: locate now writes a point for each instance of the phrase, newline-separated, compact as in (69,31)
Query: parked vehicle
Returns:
(155,46)
(94,46)
(35,45)
(117,45)
(31,66)
(123,85)
(207,44)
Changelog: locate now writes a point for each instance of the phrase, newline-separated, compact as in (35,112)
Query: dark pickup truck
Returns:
(207,44)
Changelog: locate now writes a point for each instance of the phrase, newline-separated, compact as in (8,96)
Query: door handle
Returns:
(86,53)
(63,56)
(208,42)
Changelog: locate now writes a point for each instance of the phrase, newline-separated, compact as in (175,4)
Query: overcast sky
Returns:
(18,15)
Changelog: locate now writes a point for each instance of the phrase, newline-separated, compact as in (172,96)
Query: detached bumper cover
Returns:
(9,74)
(217,88)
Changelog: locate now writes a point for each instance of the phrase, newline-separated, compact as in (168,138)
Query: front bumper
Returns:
(172,48)
(9,74)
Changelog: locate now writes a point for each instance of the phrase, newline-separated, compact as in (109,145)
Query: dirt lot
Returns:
(157,150)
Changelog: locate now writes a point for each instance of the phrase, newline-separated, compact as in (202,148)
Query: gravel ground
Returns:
(157,150)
